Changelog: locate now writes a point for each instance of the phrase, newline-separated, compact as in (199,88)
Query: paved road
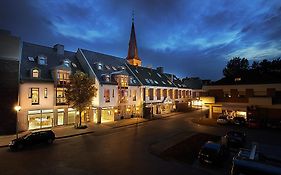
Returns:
(116,151)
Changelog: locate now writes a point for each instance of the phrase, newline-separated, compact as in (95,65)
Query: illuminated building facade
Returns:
(125,89)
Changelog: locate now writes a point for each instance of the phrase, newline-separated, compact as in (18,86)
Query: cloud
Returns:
(188,38)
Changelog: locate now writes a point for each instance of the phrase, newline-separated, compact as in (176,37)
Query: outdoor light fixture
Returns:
(17,108)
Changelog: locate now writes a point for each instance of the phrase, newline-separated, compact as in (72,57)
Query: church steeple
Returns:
(133,57)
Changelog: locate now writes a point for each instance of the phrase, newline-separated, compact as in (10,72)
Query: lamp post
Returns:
(17,108)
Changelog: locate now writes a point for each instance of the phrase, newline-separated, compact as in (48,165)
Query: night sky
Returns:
(189,38)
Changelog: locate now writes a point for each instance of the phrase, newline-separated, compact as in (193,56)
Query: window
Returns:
(159,75)
(163,82)
(42,60)
(123,96)
(147,81)
(158,94)
(74,65)
(107,67)
(112,93)
(124,81)
(106,95)
(99,66)
(150,94)
(45,93)
(35,73)
(164,93)
(137,71)
(34,96)
(114,68)
(63,77)
(30,58)
(134,95)
(60,95)
(66,62)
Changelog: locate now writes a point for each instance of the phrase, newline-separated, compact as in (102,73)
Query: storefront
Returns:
(234,110)
(60,118)
(71,116)
(38,119)
(107,115)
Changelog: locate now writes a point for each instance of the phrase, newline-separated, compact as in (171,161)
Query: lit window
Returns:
(163,82)
(35,73)
(147,81)
(114,68)
(134,95)
(45,93)
(42,60)
(107,67)
(35,96)
(137,71)
(106,95)
(159,75)
(74,65)
(99,66)
(60,95)
(30,58)
(156,82)
(66,62)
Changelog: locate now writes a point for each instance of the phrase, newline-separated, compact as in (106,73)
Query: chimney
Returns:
(59,48)
(160,69)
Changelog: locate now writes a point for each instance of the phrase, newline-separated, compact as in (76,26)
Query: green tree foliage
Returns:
(264,71)
(236,67)
(80,92)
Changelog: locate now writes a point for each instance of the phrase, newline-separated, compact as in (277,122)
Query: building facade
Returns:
(125,89)
(261,101)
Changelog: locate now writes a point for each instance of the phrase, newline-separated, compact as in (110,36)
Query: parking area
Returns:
(187,150)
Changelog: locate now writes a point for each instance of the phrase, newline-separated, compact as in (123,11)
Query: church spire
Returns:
(133,57)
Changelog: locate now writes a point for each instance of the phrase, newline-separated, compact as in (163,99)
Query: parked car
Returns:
(235,139)
(222,120)
(253,123)
(211,153)
(239,121)
(31,139)
(251,162)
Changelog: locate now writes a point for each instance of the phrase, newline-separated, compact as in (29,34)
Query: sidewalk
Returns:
(70,131)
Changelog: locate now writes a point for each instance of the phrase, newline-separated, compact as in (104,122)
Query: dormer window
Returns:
(42,60)
(106,77)
(35,73)
(107,67)
(66,62)
(99,66)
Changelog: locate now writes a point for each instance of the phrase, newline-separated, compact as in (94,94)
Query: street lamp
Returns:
(17,108)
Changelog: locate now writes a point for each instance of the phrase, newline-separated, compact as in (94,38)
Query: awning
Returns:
(234,107)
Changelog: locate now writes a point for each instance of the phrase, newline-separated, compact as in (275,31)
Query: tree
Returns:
(80,91)
(236,67)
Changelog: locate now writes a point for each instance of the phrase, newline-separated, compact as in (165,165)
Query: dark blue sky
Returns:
(188,38)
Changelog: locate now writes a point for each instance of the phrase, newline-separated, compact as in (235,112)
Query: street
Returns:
(118,151)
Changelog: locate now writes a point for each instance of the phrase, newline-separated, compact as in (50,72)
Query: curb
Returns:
(73,135)
(3,146)
(114,127)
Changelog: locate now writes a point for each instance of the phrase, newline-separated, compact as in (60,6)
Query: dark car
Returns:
(253,123)
(239,121)
(31,139)
(235,139)
(211,153)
